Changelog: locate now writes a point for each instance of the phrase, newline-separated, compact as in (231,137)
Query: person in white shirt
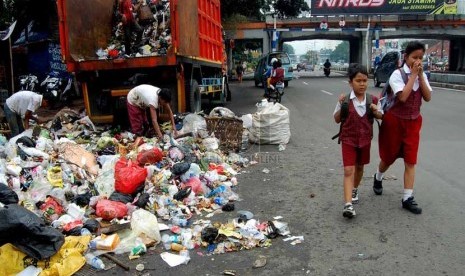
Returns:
(19,109)
(148,96)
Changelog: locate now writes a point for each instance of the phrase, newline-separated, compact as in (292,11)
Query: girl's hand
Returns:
(341,98)
(416,68)
(373,107)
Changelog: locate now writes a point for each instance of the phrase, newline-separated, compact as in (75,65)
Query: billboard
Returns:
(375,7)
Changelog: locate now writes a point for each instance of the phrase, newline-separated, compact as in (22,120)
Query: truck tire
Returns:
(194,97)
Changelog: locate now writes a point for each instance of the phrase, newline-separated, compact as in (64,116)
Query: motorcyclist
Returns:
(277,74)
(327,67)
(268,75)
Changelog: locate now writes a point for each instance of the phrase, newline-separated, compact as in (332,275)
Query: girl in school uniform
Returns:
(399,135)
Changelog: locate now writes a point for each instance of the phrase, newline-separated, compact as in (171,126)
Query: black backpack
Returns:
(345,113)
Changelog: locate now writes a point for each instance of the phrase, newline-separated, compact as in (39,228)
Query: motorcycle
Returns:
(28,82)
(53,84)
(276,92)
(327,71)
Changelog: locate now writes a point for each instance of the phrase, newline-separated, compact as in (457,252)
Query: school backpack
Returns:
(387,97)
(345,113)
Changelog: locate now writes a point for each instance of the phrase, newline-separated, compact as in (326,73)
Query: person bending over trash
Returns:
(148,96)
(19,109)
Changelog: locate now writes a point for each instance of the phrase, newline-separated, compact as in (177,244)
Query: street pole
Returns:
(11,66)
(366,43)
(274,42)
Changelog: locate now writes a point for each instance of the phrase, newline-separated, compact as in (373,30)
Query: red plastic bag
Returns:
(150,156)
(128,176)
(109,210)
(195,184)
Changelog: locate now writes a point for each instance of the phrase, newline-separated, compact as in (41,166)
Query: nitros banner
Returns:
(375,7)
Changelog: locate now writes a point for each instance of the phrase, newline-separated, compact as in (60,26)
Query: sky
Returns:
(301,47)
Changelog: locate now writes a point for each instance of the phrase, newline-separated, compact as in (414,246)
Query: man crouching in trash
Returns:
(148,96)
(20,108)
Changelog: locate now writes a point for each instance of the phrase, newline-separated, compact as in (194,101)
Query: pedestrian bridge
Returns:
(360,31)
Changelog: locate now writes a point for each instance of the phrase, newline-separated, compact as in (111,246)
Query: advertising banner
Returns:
(375,7)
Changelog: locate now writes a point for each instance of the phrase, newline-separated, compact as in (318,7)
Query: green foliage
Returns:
(290,8)
(251,8)
(341,52)
(288,49)
(246,8)
(312,57)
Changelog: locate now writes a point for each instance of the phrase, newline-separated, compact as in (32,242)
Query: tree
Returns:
(288,48)
(312,56)
(251,8)
(290,8)
(341,52)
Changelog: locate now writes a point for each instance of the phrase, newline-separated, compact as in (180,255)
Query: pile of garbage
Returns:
(154,39)
(71,192)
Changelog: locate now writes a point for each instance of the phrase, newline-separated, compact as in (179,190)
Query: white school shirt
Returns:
(144,95)
(360,106)
(22,101)
(397,83)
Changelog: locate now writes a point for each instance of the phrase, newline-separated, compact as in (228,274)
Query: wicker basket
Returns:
(227,130)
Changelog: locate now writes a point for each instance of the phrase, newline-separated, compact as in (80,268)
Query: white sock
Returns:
(379,175)
(348,204)
(407,193)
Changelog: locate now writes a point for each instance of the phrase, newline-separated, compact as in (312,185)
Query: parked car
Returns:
(265,62)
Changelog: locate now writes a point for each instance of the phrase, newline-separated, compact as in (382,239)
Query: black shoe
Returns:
(411,205)
(377,186)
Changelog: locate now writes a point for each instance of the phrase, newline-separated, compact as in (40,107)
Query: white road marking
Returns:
(345,81)
(445,88)
(305,83)
(326,92)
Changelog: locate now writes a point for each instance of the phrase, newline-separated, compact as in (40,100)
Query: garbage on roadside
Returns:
(270,125)
(74,183)
(151,38)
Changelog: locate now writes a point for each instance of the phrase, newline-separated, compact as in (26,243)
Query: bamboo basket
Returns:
(227,130)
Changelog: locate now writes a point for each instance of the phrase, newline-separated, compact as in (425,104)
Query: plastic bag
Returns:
(119,197)
(195,184)
(150,156)
(67,261)
(193,123)
(7,195)
(222,112)
(105,182)
(28,232)
(143,221)
(128,176)
(271,126)
(109,210)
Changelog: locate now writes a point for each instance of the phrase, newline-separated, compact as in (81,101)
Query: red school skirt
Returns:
(352,156)
(399,138)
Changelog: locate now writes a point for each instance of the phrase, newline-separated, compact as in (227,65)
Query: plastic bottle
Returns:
(168,240)
(217,191)
(220,201)
(94,261)
(85,232)
(179,221)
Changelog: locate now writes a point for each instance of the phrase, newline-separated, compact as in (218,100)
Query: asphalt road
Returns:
(383,239)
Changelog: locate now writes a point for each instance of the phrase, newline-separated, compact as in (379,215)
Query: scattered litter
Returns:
(229,272)
(277,217)
(259,262)
(265,170)
(294,238)
(140,267)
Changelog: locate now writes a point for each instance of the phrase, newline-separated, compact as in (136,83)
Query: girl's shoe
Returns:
(349,211)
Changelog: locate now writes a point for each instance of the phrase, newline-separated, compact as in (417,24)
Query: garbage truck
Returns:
(191,64)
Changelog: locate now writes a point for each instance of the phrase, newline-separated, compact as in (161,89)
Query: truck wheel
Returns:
(195,100)
(286,83)
(257,83)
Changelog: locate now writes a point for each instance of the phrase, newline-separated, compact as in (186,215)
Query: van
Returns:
(390,62)
(265,62)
